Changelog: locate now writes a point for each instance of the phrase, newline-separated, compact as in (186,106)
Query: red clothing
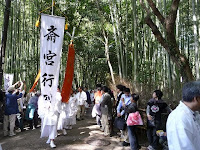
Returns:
(97,97)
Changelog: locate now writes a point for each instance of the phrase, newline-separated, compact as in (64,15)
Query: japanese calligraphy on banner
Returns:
(8,80)
(51,40)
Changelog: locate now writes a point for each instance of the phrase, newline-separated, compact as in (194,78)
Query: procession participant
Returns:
(72,111)
(62,117)
(67,116)
(81,100)
(49,116)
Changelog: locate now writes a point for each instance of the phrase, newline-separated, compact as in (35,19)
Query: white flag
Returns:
(51,40)
(8,80)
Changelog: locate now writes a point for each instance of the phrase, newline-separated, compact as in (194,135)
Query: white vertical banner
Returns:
(8,80)
(51,40)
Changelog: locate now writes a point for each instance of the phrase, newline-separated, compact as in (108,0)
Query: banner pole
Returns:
(72,38)
(52,7)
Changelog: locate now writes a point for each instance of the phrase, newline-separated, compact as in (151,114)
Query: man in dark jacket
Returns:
(88,96)
(106,109)
(120,89)
(11,109)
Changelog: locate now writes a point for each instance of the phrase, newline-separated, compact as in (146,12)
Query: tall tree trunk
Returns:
(108,57)
(168,56)
(198,11)
(135,47)
(126,42)
(196,42)
(115,37)
(169,43)
(106,46)
(116,17)
(4,38)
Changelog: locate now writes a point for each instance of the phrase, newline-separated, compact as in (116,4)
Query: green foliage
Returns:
(90,19)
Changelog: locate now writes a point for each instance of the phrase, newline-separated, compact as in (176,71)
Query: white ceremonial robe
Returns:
(62,116)
(49,116)
(183,129)
(72,110)
(68,113)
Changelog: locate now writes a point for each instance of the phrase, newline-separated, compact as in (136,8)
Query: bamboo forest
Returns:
(151,44)
(100,74)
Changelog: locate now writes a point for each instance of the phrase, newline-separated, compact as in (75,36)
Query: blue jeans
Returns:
(152,137)
(133,137)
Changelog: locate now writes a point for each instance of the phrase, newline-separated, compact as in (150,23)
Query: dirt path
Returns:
(76,139)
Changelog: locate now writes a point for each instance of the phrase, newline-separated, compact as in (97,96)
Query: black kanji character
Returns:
(51,78)
(47,97)
(51,35)
(49,58)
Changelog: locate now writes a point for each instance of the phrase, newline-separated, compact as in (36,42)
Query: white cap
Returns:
(11,89)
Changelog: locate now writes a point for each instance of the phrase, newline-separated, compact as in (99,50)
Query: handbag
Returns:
(134,119)
(120,123)
(30,112)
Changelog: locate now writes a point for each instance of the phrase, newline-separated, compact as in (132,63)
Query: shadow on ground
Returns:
(76,139)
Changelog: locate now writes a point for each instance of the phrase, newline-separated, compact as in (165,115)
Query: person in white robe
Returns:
(72,111)
(62,118)
(68,113)
(49,118)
